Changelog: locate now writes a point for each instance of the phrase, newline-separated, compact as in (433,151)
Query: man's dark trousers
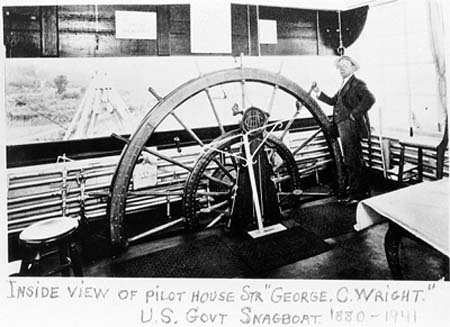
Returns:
(353,159)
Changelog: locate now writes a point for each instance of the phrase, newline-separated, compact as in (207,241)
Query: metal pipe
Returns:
(213,207)
(155,230)
(52,180)
(216,220)
(305,143)
(34,183)
(33,207)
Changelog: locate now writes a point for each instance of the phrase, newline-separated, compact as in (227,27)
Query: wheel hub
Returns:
(253,118)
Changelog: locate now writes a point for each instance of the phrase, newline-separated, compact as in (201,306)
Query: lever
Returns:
(176,139)
(120,138)
(236,110)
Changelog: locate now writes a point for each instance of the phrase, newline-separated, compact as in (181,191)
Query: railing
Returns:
(373,159)
(51,190)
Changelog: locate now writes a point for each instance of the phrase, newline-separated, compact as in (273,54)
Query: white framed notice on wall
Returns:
(210,27)
(136,25)
(267,31)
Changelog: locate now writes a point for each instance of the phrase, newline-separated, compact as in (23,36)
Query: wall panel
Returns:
(89,31)
(296,31)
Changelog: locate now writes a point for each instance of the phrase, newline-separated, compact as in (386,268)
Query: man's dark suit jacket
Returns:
(357,100)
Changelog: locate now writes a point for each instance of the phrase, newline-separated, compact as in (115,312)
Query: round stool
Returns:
(40,238)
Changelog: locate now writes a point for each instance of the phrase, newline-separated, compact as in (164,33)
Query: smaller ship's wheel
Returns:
(211,198)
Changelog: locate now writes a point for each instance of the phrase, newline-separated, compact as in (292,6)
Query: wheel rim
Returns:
(192,208)
(167,105)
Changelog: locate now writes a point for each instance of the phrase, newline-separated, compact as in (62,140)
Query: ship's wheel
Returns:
(245,168)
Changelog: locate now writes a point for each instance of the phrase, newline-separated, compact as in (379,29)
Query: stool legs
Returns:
(68,259)
(31,263)
(64,260)
(76,262)
(27,264)
(55,239)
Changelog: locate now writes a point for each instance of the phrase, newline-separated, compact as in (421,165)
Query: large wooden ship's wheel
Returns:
(243,170)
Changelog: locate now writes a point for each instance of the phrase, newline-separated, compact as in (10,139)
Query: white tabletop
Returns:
(421,209)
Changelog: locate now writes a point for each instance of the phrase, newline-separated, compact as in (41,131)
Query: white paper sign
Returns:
(135,25)
(268,31)
(210,27)
(144,175)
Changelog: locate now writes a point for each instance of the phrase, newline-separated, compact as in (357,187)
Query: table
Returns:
(420,212)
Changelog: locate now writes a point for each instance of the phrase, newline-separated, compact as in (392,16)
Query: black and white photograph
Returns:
(226,142)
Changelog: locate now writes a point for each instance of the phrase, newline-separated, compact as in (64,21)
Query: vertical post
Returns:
(49,31)
(369,149)
(168,214)
(401,163)
(251,174)
(97,35)
(64,191)
(408,75)
(380,139)
(163,30)
(318,32)
(82,183)
(420,163)
(249,35)
(257,30)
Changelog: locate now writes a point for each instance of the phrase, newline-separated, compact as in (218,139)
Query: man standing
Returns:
(350,106)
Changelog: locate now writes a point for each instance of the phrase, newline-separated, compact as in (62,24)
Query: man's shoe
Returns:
(352,201)
(343,199)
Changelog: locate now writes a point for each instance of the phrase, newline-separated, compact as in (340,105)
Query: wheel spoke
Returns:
(216,220)
(224,169)
(189,130)
(213,107)
(317,165)
(210,209)
(155,230)
(306,142)
(200,142)
(299,148)
(218,181)
(272,98)
(212,193)
(166,158)
(243,94)
(232,158)
(287,127)
(282,179)
(320,194)
(227,152)
(207,186)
